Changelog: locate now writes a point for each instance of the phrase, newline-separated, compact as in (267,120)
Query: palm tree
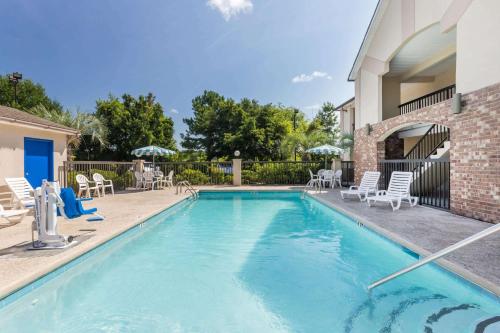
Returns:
(87,124)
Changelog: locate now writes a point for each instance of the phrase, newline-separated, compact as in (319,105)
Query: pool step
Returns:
(395,312)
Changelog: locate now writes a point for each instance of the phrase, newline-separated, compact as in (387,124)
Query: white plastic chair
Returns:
(369,184)
(314,181)
(170,178)
(327,177)
(103,183)
(22,192)
(13,215)
(139,181)
(160,179)
(84,185)
(397,191)
(149,180)
(337,178)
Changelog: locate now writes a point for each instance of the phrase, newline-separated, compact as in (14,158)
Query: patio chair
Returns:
(314,181)
(327,177)
(84,185)
(139,181)
(337,178)
(103,183)
(149,180)
(22,192)
(170,179)
(397,191)
(369,184)
(160,178)
(13,215)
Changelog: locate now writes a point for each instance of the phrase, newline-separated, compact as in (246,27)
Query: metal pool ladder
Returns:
(437,255)
(189,188)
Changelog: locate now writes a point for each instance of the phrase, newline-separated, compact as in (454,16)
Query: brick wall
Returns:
(474,153)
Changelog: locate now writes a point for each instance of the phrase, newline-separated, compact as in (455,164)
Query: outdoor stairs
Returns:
(394,311)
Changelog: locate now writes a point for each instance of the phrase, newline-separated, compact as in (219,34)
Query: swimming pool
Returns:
(249,262)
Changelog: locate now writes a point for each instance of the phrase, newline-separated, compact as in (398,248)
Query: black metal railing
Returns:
(347,173)
(278,173)
(431,179)
(435,97)
(121,173)
(433,139)
(199,173)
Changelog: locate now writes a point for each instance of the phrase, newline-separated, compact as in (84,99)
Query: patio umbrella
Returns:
(152,151)
(326,150)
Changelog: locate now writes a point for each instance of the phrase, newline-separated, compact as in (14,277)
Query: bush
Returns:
(218,176)
(249,177)
(195,177)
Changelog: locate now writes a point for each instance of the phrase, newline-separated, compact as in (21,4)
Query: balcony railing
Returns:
(435,97)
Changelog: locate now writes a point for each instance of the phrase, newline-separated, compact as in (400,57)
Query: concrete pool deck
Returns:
(421,229)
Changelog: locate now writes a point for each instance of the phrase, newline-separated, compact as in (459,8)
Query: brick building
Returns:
(427,100)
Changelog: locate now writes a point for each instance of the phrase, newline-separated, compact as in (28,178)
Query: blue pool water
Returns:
(249,262)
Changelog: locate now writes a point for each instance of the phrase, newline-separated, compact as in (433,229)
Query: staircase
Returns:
(434,144)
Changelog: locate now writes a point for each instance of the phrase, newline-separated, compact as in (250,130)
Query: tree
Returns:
(29,95)
(92,131)
(221,125)
(327,121)
(133,123)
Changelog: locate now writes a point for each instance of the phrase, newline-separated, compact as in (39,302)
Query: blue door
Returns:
(38,160)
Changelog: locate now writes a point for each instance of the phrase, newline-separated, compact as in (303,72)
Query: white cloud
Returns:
(309,77)
(229,8)
(174,111)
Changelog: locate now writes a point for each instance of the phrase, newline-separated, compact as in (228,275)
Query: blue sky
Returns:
(294,52)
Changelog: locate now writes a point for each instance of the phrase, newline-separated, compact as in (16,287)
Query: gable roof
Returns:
(11,115)
(370,32)
(339,108)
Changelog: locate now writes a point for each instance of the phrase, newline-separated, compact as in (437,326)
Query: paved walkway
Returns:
(426,230)
(420,229)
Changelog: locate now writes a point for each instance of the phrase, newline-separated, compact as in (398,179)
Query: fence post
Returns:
(237,172)
(138,165)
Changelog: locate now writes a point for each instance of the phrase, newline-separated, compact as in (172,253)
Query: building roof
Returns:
(339,108)
(11,115)
(370,32)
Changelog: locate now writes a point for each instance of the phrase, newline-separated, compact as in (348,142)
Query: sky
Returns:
(294,52)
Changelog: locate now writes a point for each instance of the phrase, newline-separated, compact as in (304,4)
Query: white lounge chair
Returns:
(397,191)
(22,192)
(369,184)
(84,185)
(13,215)
(103,183)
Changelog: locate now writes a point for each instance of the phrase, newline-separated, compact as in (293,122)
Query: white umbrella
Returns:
(152,151)
(326,150)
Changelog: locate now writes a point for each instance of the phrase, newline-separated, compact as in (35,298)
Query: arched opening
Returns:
(424,150)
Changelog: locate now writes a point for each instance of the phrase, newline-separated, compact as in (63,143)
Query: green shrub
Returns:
(249,177)
(195,177)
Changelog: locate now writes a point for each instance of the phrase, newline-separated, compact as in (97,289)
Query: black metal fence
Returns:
(431,179)
(427,100)
(347,173)
(121,173)
(278,173)
(199,173)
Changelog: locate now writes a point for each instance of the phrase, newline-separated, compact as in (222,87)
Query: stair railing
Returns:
(433,139)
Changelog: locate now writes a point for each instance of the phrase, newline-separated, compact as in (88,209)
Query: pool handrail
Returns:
(477,236)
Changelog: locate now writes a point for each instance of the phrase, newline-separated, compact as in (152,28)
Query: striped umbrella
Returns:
(326,150)
(152,151)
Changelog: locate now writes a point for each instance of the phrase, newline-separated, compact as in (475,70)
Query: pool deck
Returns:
(420,229)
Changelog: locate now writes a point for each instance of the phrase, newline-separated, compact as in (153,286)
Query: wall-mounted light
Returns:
(236,153)
(368,129)
(456,103)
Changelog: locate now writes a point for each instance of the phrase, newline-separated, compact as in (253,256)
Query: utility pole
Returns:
(14,79)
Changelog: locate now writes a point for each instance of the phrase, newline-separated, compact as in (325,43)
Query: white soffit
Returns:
(423,47)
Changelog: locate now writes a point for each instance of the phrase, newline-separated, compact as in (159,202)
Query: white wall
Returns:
(410,91)
(370,99)
(478,46)
(12,149)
